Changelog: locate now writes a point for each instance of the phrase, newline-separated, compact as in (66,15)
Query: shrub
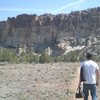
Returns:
(32,58)
(58,59)
(71,57)
(8,55)
(45,58)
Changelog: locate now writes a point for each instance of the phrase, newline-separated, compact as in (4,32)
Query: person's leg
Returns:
(85,91)
(93,92)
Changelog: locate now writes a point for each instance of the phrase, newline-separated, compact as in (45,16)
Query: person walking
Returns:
(91,77)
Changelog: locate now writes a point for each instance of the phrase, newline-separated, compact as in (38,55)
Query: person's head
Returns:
(89,55)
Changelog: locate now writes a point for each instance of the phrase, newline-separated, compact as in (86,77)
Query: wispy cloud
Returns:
(61,9)
(73,4)
(24,9)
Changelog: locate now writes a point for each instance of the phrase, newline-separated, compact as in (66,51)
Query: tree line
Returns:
(9,55)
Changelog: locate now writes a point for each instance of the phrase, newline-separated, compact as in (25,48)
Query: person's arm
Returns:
(97,77)
(79,83)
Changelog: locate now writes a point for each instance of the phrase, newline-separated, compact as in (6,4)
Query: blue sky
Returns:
(12,8)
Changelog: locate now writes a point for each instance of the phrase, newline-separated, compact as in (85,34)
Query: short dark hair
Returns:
(89,55)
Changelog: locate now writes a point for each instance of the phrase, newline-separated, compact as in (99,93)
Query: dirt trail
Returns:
(74,84)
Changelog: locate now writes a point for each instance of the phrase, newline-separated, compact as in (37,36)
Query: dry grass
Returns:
(37,81)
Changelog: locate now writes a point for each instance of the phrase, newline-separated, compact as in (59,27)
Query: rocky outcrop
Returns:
(45,30)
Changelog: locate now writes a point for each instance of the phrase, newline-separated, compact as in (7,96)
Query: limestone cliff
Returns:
(45,30)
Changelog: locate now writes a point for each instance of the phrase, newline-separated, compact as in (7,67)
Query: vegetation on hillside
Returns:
(9,55)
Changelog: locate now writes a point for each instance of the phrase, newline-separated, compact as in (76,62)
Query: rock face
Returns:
(45,30)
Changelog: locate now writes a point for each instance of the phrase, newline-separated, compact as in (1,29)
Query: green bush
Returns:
(8,55)
(45,58)
(71,57)
(32,58)
(58,59)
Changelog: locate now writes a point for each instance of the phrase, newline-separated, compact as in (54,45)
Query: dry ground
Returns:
(39,81)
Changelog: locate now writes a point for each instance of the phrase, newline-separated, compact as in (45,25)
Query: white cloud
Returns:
(73,4)
(24,9)
(61,9)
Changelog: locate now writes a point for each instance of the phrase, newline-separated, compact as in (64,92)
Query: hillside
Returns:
(41,32)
